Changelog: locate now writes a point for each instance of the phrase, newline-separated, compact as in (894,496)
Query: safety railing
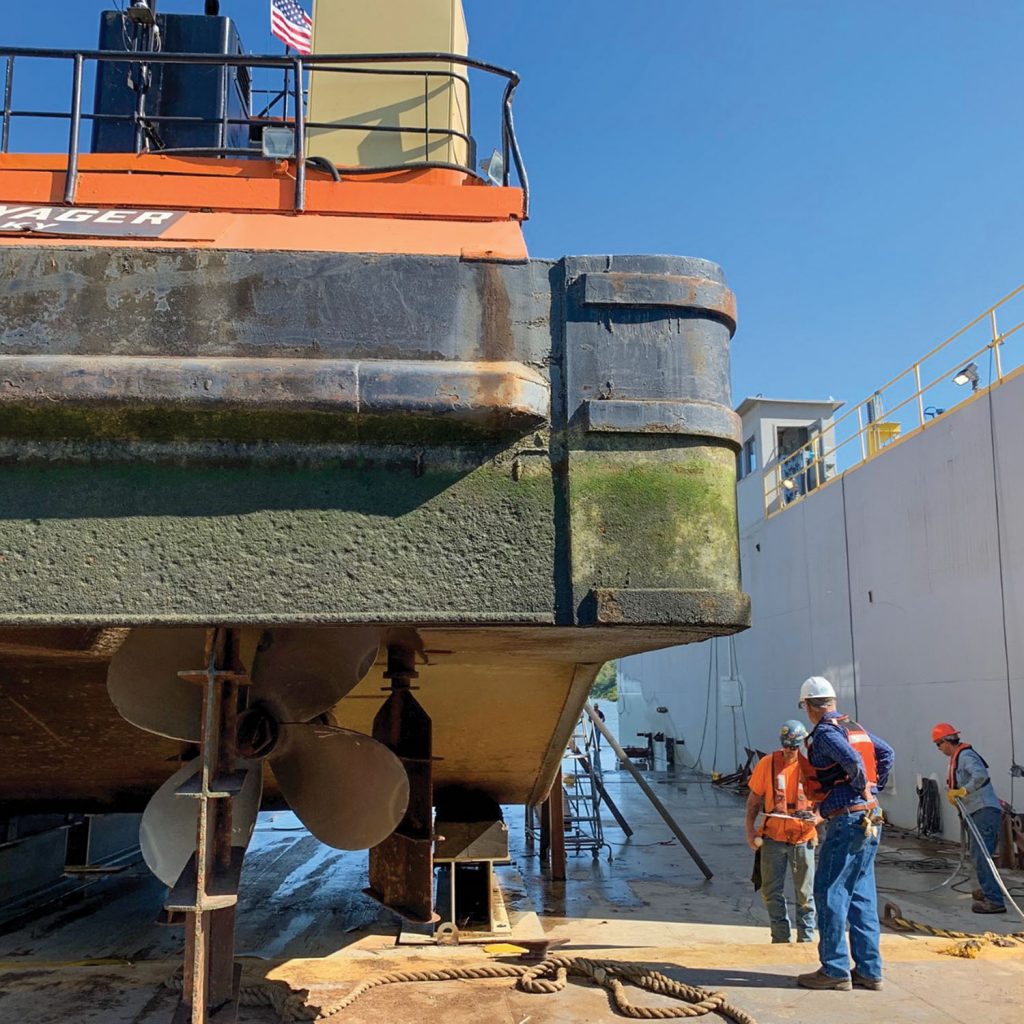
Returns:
(296,69)
(972,359)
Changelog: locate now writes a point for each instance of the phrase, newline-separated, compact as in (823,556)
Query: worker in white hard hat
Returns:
(845,768)
(787,836)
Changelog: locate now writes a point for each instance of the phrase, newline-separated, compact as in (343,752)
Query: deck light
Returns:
(141,13)
(494,168)
(968,373)
(278,143)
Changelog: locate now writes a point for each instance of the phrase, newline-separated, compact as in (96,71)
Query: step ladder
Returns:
(581,774)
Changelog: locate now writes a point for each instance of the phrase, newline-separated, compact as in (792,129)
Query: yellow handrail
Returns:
(813,460)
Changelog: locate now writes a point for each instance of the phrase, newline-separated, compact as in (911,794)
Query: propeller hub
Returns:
(258,733)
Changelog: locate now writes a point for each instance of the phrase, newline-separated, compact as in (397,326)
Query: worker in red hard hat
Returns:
(968,782)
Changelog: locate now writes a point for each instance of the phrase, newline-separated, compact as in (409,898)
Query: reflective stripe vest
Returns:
(785,829)
(779,803)
(821,781)
(954,761)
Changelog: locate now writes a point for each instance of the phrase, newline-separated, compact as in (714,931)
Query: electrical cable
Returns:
(849,598)
(1002,579)
(707,711)
(957,871)
(743,692)
(718,702)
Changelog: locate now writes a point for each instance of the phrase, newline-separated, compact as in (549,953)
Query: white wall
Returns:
(925,641)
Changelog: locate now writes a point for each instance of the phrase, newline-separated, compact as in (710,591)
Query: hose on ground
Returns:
(549,976)
(980,844)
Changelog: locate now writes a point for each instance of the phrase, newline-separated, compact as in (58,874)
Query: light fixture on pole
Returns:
(141,12)
(968,374)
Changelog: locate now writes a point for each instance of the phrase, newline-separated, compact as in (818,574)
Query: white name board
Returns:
(83,220)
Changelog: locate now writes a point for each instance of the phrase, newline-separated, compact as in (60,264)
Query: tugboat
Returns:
(317,489)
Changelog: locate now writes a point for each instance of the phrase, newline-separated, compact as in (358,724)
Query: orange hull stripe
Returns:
(502,240)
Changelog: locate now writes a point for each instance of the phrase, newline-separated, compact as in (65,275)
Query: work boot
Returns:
(819,979)
(987,907)
(862,981)
(978,894)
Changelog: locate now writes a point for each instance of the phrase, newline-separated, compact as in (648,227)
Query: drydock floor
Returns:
(303,921)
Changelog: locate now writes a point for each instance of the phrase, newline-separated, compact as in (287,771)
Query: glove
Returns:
(952,795)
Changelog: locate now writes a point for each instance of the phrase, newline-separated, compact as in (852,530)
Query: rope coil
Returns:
(547,977)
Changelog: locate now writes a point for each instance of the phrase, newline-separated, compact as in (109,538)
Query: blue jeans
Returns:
(777,859)
(844,890)
(987,822)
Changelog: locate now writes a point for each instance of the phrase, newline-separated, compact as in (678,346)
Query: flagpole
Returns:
(287,70)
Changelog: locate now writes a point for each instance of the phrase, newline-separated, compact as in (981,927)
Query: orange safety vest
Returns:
(954,760)
(785,829)
(821,781)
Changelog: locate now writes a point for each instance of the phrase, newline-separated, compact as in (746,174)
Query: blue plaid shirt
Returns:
(830,746)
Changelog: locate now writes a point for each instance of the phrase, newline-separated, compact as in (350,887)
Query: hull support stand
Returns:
(401,868)
(207,891)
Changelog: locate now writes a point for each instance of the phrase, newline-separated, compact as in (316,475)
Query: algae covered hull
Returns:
(530,463)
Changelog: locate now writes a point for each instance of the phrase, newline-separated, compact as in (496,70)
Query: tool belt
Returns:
(852,809)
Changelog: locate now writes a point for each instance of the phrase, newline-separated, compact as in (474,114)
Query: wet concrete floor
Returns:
(97,958)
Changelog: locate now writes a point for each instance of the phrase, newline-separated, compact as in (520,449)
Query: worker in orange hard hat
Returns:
(969,784)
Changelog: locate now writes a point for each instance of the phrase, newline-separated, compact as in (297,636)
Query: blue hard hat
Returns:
(793,733)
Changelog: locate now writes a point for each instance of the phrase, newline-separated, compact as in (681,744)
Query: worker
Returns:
(597,732)
(968,781)
(787,836)
(845,768)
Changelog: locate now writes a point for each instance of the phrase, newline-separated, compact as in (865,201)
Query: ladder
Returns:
(581,773)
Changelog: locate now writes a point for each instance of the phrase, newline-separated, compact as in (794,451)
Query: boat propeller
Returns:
(349,790)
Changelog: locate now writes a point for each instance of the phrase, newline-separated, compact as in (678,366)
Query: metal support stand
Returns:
(553,816)
(402,867)
(207,891)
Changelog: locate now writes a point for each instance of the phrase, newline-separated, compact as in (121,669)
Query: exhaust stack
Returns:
(430,107)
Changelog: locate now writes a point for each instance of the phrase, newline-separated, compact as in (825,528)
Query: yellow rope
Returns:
(893,917)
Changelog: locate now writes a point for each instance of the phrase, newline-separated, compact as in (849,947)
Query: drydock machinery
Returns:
(316,489)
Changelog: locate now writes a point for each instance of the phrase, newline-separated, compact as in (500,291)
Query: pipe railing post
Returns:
(5,140)
(920,396)
(996,342)
(300,139)
(426,117)
(71,179)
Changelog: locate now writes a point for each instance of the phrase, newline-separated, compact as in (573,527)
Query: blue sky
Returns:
(854,165)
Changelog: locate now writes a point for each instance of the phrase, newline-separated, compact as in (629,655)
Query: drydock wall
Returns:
(901,582)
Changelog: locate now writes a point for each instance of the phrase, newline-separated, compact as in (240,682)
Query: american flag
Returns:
(292,25)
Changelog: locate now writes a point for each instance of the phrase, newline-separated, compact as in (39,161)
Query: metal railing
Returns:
(296,68)
(910,402)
